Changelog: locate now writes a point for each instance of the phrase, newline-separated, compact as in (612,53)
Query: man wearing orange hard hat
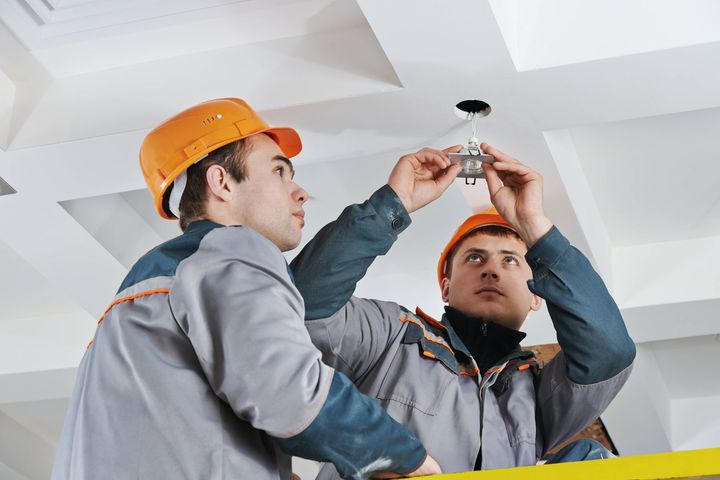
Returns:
(201,366)
(462,383)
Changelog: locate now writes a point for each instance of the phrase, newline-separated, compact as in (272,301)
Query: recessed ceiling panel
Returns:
(654,179)
(96,35)
(108,218)
(270,75)
(560,32)
(674,357)
(142,203)
(37,21)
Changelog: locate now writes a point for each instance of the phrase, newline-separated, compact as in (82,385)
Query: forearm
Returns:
(356,435)
(327,270)
(589,325)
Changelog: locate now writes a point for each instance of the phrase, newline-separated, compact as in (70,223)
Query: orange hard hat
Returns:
(176,144)
(489,217)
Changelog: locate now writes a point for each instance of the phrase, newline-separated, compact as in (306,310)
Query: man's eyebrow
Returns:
(287,161)
(474,250)
(483,251)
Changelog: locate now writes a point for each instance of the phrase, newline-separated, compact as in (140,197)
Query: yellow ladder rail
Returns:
(675,465)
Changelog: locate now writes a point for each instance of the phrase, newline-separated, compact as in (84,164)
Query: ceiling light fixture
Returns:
(472,157)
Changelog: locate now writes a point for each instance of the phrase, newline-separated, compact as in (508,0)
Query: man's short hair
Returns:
(231,157)
(491,230)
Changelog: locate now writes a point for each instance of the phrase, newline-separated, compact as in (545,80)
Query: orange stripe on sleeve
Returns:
(127,299)
(132,297)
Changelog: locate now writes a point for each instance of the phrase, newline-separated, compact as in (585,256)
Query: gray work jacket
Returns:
(423,375)
(201,368)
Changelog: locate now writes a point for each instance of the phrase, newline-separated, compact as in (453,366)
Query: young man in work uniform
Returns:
(201,368)
(462,384)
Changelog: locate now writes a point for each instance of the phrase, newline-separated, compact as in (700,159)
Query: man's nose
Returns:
(489,272)
(299,194)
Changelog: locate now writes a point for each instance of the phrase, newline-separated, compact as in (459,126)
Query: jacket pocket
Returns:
(415,380)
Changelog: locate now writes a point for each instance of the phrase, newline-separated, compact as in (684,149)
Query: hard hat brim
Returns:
(287,139)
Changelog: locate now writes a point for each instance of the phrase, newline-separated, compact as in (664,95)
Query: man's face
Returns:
(489,279)
(268,200)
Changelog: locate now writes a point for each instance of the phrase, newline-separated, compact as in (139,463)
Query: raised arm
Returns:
(327,270)
(597,352)
(329,267)
(590,328)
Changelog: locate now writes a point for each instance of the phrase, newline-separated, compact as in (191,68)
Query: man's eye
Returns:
(280,171)
(474,257)
(511,261)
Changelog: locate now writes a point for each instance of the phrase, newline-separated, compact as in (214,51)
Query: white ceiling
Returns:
(616,104)
(658,171)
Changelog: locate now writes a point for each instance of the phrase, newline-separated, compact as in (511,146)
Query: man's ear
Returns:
(445,289)
(217,180)
(536,303)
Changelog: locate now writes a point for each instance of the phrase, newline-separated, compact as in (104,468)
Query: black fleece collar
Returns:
(487,342)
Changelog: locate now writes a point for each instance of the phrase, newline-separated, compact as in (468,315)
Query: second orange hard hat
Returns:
(179,142)
(489,217)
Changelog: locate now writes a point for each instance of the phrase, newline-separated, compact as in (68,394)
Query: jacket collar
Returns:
(487,342)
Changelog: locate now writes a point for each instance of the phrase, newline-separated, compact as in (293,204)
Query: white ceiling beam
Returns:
(80,169)
(669,321)
(44,343)
(39,385)
(569,166)
(649,192)
(622,88)
(68,22)
(7,102)
(272,74)
(58,247)
(126,249)
(82,15)
(667,272)
(29,78)
(163,34)
(537,33)
(24,451)
(7,473)
(465,38)
(693,428)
